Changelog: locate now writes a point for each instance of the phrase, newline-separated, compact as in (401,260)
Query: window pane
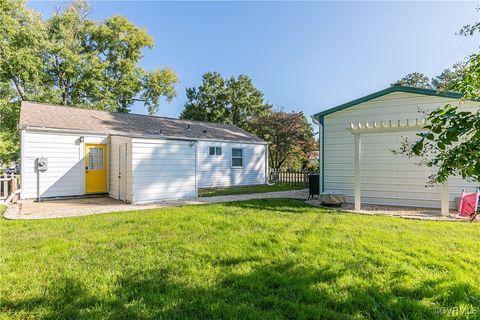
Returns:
(218,151)
(211,151)
(237,162)
(237,152)
(95,159)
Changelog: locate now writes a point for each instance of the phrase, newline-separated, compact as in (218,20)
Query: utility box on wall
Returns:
(41,164)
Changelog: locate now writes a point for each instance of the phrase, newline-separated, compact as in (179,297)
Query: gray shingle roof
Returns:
(39,115)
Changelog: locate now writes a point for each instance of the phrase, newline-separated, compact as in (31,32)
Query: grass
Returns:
(211,192)
(2,209)
(262,259)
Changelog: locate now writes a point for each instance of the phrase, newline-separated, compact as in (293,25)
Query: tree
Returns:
(22,33)
(231,101)
(414,79)
(443,82)
(289,134)
(71,60)
(448,78)
(451,139)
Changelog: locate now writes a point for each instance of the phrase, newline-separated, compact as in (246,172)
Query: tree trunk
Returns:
(20,89)
(66,86)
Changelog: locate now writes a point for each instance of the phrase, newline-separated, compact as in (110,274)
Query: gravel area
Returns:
(395,211)
(65,208)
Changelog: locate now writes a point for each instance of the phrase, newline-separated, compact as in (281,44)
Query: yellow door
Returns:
(96,168)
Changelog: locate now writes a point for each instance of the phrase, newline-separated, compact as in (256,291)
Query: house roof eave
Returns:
(422,91)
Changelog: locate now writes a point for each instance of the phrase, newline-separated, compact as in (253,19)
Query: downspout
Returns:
(321,157)
(196,168)
(267,174)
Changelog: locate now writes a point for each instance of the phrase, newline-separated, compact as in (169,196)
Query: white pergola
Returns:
(359,129)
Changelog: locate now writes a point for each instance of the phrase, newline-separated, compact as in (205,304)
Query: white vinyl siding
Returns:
(156,169)
(385,177)
(217,171)
(66,166)
(116,142)
(163,169)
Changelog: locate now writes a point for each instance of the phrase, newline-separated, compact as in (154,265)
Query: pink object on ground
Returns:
(468,204)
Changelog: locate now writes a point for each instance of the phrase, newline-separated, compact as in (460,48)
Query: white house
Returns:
(356,139)
(134,158)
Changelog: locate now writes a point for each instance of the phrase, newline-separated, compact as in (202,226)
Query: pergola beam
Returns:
(388,126)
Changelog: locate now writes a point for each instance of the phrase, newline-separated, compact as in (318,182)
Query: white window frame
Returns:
(231,158)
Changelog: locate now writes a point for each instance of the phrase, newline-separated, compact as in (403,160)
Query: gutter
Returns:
(139,136)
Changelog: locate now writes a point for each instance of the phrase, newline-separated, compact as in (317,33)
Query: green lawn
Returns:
(2,208)
(262,259)
(210,192)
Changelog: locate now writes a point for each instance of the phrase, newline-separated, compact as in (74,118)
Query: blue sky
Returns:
(306,56)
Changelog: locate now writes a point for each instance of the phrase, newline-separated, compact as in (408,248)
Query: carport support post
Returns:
(445,203)
(358,153)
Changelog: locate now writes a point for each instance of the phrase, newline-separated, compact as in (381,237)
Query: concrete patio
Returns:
(64,208)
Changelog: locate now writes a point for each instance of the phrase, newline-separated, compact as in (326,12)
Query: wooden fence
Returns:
(289,177)
(8,183)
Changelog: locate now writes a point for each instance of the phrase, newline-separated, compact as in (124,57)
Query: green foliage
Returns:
(231,101)
(71,60)
(415,79)
(262,259)
(451,143)
(22,34)
(157,84)
(451,140)
(289,134)
(469,82)
(470,29)
(446,81)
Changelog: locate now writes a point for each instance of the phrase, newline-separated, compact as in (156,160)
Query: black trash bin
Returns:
(313,186)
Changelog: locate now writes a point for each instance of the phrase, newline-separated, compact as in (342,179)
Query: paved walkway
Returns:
(88,206)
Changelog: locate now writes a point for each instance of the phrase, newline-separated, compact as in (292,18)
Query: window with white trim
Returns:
(237,157)
(215,151)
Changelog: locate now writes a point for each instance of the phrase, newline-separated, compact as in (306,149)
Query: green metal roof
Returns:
(428,92)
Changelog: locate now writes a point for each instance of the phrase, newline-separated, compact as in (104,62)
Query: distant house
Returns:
(356,143)
(313,157)
(134,158)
